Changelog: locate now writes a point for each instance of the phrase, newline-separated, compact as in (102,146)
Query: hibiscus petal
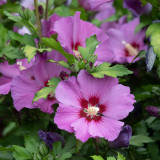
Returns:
(107,128)
(5,84)
(65,116)
(81,134)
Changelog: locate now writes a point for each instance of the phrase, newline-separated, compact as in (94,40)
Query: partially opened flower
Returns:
(122,141)
(73,32)
(125,42)
(50,137)
(154,111)
(135,6)
(92,107)
(32,80)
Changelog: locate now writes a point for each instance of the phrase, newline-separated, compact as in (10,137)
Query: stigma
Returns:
(131,50)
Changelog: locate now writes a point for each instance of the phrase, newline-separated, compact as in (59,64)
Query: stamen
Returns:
(21,67)
(131,50)
(92,110)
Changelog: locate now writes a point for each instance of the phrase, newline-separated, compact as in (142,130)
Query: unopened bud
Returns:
(43,149)
(123,139)
(25,14)
(154,111)
(40,10)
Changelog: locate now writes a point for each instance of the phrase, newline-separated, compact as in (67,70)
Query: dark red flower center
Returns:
(92,109)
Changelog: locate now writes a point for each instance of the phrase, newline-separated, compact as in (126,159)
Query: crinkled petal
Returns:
(65,116)
(107,128)
(45,105)
(119,102)
(81,133)
(91,86)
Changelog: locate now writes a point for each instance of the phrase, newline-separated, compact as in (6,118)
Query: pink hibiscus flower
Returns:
(30,81)
(125,42)
(73,32)
(96,104)
(9,72)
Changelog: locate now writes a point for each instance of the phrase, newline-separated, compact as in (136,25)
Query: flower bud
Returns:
(43,149)
(154,111)
(123,139)
(63,75)
(150,58)
(37,156)
(40,10)
(25,14)
(49,138)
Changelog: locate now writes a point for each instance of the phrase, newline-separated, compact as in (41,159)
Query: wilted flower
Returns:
(135,6)
(125,42)
(154,111)
(92,107)
(73,32)
(122,141)
(32,80)
(49,138)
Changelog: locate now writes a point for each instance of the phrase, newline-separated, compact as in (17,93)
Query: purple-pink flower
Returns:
(125,42)
(11,71)
(135,6)
(73,32)
(92,107)
(92,4)
(32,80)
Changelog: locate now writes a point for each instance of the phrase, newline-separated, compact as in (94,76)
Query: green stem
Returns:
(46,12)
(96,145)
(38,20)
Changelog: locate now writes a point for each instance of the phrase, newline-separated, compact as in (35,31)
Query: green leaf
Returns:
(64,156)
(6,149)
(97,157)
(111,158)
(31,143)
(30,51)
(61,63)
(57,148)
(23,39)
(139,140)
(52,43)
(54,82)
(12,17)
(154,31)
(91,44)
(115,71)
(141,54)
(120,157)
(12,53)
(152,28)
(43,93)
(21,153)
